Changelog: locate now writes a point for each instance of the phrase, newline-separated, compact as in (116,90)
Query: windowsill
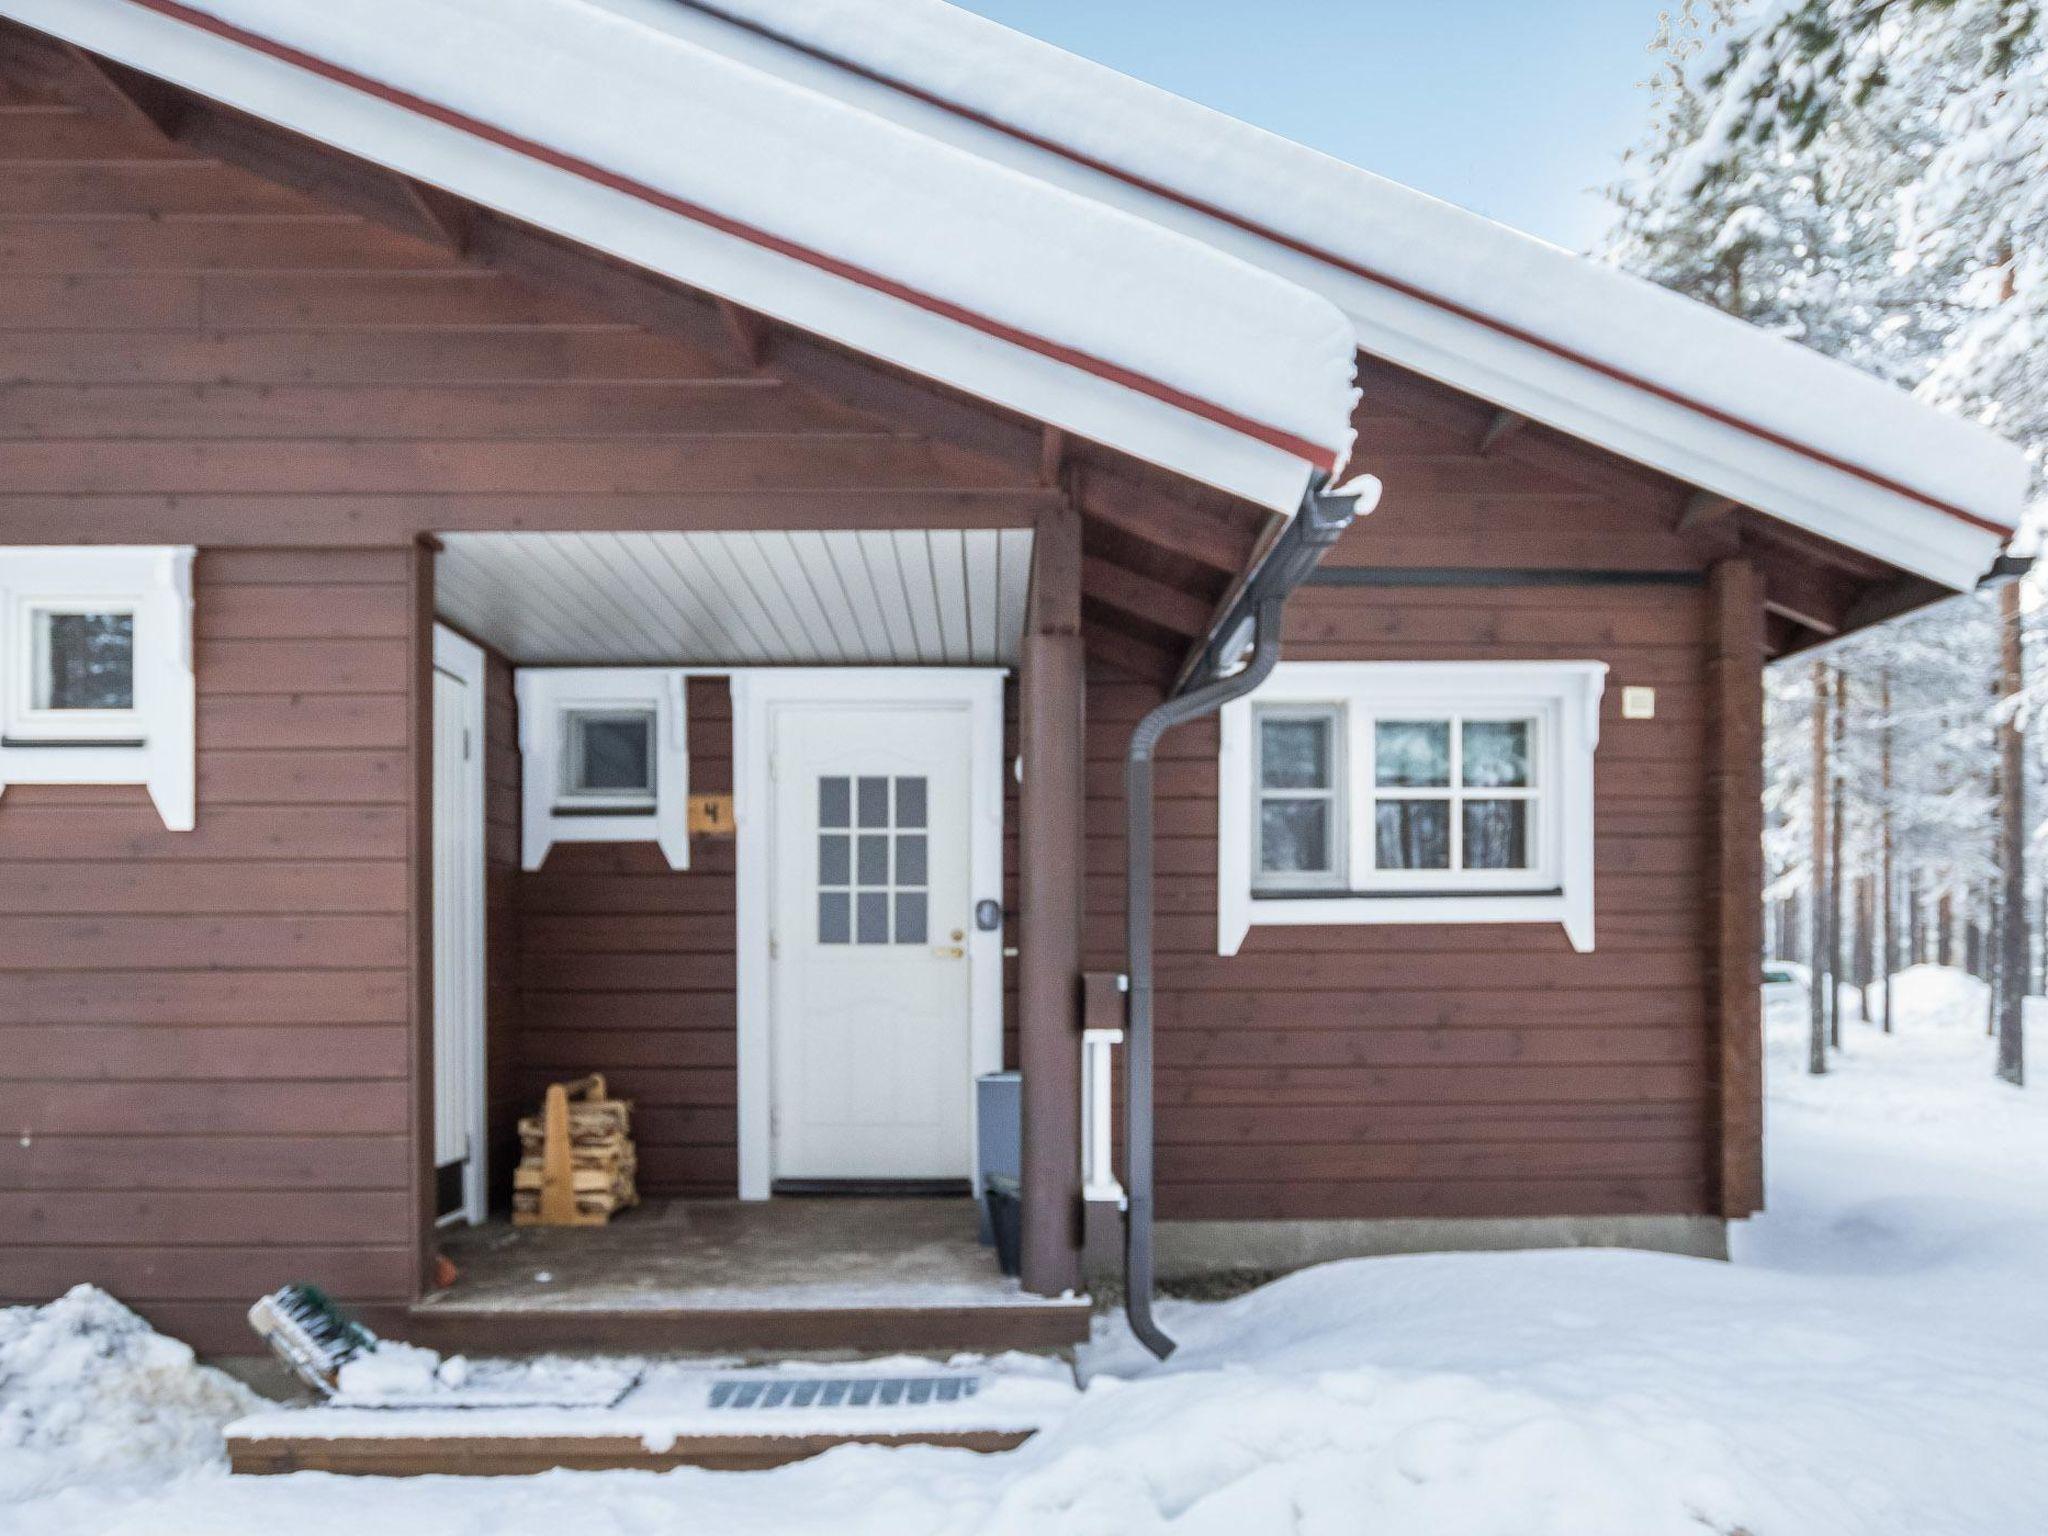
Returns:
(1334,908)
(74,743)
(1467,894)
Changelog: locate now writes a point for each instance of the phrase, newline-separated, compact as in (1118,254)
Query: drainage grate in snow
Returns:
(842,1391)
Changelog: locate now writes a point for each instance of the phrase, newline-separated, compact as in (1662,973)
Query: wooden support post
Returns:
(1735,778)
(1051,709)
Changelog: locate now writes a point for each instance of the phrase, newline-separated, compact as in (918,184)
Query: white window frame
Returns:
(1334,878)
(154,742)
(555,813)
(1563,697)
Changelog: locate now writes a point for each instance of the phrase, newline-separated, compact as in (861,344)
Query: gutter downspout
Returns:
(1255,616)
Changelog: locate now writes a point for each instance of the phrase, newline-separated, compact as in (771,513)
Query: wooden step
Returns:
(518,1455)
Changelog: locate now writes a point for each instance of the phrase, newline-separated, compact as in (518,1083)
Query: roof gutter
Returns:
(1253,618)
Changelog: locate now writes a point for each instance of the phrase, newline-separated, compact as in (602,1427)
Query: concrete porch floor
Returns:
(820,1253)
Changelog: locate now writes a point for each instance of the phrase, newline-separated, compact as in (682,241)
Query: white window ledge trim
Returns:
(1575,686)
(154,744)
(546,696)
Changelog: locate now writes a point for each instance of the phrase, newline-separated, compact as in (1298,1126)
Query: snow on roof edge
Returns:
(1092,289)
(1381,231)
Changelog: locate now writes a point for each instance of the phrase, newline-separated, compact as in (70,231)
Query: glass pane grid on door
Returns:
(873,859)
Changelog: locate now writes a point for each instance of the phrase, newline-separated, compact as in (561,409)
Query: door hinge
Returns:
(774,947)
(465,744)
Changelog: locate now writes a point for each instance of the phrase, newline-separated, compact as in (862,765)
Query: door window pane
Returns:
(835,802)
(874,860)
(910,861)
(832,917)
(1496,834)
(85,661)
(910,923)
(1496,754)
(1413,834)
(1294,837)
(873,917)
(874,802)
(1412,754)
(1294,754)
(834,860)
(910,798)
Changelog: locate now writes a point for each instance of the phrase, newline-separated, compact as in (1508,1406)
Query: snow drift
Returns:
(90,1394)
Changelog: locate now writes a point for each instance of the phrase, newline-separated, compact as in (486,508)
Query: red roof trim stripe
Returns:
(1313,453)
(1357,269)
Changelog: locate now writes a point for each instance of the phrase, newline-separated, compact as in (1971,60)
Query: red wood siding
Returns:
(207,1033)
(627,967)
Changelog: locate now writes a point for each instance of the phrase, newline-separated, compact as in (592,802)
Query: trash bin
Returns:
(999,1135)
(1004,1207)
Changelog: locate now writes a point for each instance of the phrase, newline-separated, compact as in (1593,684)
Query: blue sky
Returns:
(1518,109)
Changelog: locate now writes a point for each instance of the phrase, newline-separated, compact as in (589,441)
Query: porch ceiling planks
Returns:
(802,597)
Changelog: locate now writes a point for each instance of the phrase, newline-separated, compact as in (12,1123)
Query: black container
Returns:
(1005,1207)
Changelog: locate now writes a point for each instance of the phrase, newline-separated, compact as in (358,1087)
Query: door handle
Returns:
(949,951)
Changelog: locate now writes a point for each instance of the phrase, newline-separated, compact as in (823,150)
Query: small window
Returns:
(603,751)
(610,756)
(82,660)
(1300,831)
(96,683)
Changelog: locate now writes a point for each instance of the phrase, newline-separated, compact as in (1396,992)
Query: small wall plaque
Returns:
(711,815)
(1638,703)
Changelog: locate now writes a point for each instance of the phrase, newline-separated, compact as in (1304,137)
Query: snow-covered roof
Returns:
(938,191)
(643,142)
(1540,331)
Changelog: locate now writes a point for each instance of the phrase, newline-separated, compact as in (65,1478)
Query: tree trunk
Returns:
(1887,889)
(1816,999)
(1835,880)
(2012,840)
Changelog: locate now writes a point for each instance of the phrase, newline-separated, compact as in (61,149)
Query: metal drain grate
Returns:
(843,1391)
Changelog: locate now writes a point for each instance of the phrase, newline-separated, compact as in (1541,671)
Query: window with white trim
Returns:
(96,683)
(1410,792)
(604,758)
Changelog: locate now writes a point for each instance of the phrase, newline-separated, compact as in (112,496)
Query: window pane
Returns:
(910,862)
(874,861)
(1412,834)
(1497,754)
(910,923)
(88,661)
(1412,754)
(1496,834)
(874,802)
(1294,754)
(834,860)
(615,753)
(835,807)
(832,914)
(910,802)
(874,917)
(1294,836)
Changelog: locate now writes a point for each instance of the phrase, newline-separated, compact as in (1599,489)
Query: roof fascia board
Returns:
(794,292)
(1446,346)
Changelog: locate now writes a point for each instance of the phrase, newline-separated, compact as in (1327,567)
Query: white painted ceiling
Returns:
(896,597)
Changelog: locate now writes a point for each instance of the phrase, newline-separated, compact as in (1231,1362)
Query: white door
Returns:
(458,929)
(872,1027)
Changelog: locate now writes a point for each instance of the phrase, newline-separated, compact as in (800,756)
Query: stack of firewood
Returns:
(576,1164)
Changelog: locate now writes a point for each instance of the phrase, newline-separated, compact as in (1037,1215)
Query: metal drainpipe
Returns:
(1294,554)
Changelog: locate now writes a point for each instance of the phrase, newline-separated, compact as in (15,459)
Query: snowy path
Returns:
(1876,1361)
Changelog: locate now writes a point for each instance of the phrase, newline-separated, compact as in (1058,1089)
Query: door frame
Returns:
(463,659)
(756,695)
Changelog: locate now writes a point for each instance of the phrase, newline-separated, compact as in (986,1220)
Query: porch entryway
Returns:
(747,799)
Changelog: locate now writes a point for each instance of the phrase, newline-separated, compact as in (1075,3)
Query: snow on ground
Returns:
(1875,1361)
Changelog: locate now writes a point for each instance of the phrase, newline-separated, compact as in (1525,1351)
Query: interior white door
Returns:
(869,962)
(458,934)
